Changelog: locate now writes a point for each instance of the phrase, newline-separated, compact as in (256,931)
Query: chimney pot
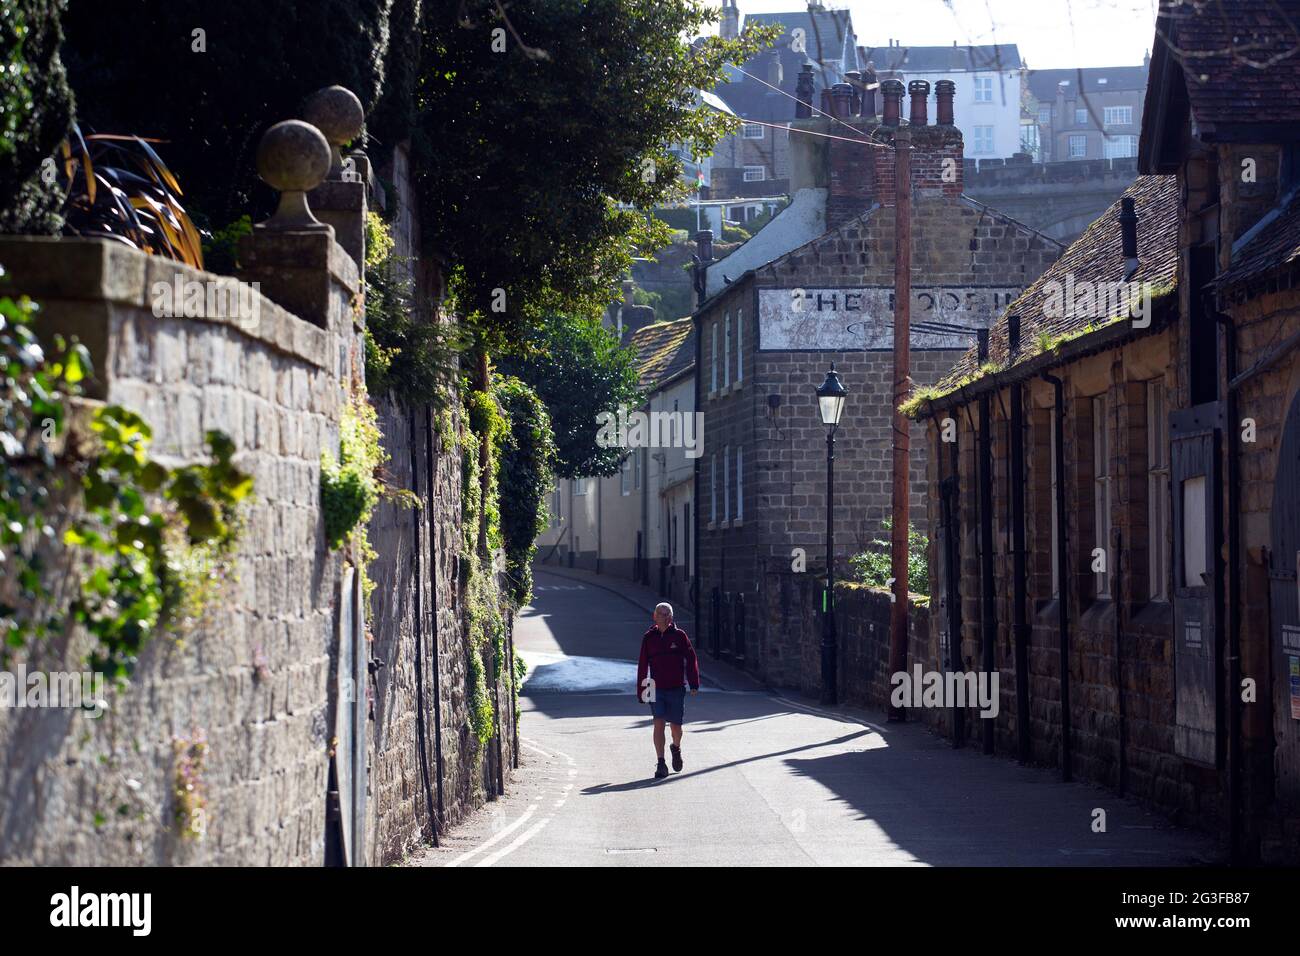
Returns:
(944,90)
(841,100)
(1128,222)
(892,92)
(869,91)
(704,245)
(803,92)
(920,91)
(828,106)
(855,83)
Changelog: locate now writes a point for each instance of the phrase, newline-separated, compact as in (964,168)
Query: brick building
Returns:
(814,287)
(1156,596)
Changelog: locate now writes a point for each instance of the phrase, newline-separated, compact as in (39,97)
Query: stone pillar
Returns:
(341,199)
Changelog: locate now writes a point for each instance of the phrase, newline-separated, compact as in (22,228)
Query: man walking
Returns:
(668,664)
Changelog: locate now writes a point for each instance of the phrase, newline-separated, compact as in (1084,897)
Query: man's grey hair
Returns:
(665,607)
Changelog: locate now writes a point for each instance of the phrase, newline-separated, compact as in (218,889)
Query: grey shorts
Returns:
(669,705)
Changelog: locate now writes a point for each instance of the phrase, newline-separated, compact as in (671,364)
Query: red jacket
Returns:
(670,659)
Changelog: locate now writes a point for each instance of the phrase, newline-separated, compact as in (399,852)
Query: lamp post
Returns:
(830,401)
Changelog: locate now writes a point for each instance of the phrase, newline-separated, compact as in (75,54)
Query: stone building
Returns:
(638,524)
(1088,112)
(1115,528)
(815,287)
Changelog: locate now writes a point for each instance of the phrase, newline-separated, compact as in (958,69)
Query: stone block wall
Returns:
(253,676)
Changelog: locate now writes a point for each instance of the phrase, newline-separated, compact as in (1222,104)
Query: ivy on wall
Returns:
(144,546)
(528,456)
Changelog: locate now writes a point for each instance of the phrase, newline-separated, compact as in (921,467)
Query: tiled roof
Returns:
(827,31)
(941,59)
(663,351)
(1094,257)
(1277,244)
(1240,58)
(1043,83)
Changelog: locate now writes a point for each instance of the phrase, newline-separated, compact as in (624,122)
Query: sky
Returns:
(1051,34)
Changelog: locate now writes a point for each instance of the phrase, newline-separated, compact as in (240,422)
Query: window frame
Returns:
(760,178)
(1124,110)
(746,132)
(983,89)
(1070,142)
(1101,495)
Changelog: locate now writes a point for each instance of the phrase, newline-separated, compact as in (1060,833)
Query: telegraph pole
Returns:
(898,616)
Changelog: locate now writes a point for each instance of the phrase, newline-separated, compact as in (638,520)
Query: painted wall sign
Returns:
(1290,639)
(853,319)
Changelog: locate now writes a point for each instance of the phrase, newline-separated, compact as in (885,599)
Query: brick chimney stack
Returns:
(842,100)
(869,92)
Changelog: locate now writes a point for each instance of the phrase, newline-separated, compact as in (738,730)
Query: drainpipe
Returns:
(948,499)
(1019,595)
(433,594)
(1118,585)
(1062,551)
(1232,438)
(422,734)
(988,613)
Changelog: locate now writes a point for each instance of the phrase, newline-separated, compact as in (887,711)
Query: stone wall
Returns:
(253,676)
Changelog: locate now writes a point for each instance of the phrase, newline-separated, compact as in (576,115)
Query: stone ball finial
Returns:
(293,157)
(337,112)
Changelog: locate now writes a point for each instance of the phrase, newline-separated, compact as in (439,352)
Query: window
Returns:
(740,356)
(625,475)
(1120,147)
(557,513)
(740,484)
(1045,115)
(983,89)
(1080,116)
(983,139)
(754,131)
(755,174)
(1117,116)
(713,362)
(1100,494)
(726,352)
(713,488)
(579,486)
(726,483)
(638,468)
(1078,147)
(1157,492)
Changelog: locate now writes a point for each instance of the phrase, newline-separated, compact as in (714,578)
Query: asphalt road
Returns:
(769,780)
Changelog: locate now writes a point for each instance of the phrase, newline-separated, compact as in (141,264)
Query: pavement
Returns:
(771,779)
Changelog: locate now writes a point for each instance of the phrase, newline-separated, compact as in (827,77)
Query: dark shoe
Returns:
(677,757)
(661,771)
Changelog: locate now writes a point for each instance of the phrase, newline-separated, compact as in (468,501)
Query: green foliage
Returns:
(349,486)
(134,66)
(221,248)
(732,233)
(534,165)
(528,454)
(32,416)
(152,542)
(873,566)
(35,114)
(150,559)
(579,370)
(489,425)
(407,353)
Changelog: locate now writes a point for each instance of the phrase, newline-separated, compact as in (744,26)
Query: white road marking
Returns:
(501,835)
(538,750)
(516,844)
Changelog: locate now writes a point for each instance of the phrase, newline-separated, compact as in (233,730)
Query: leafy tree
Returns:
(579,370)
(537,147)
(35,114)
(527,457)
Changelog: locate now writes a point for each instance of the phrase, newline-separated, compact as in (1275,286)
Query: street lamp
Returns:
(830,401)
